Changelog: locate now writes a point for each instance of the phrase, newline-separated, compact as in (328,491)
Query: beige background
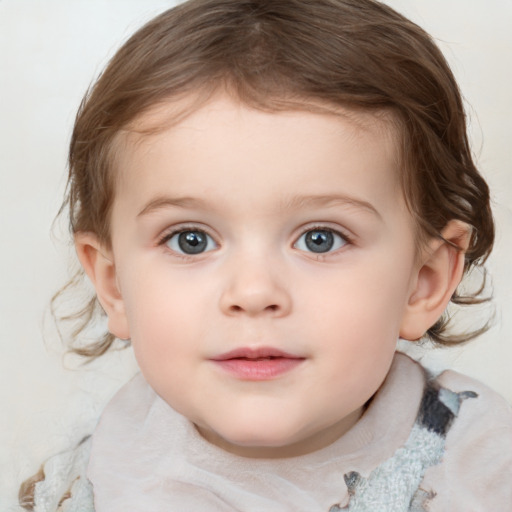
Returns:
(49,52)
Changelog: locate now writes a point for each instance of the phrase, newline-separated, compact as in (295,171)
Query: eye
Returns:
(320,241)
(191,241)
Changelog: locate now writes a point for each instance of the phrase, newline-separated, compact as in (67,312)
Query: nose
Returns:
(255,288)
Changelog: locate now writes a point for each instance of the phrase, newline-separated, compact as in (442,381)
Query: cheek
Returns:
(154,315)
(362,306)
(357,328)
(168,314)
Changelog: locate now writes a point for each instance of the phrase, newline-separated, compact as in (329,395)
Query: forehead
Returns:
(173,111)
(191,135)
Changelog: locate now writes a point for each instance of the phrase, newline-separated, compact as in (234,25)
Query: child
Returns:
(266,195)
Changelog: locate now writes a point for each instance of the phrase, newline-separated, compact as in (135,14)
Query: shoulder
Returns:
(62,485)
(476,469)
(65,487)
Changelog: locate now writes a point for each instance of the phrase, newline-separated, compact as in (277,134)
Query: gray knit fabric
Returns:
(394,486)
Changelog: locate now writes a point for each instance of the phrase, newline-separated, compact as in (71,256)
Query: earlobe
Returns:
(437,278)
(98,263)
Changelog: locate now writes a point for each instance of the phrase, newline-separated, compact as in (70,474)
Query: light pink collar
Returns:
(145,456)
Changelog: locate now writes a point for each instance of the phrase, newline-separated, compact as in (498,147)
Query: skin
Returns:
(254,183)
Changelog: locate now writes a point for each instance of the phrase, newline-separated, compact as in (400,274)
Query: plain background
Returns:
(49,52)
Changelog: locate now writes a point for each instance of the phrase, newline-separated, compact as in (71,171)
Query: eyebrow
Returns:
(162,202)
(293,203)
(329,200)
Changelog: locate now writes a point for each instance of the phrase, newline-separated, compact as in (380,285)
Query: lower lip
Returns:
(258,369)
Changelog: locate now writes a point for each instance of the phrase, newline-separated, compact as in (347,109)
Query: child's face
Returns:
(265,262)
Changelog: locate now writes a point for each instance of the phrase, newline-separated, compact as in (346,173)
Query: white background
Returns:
(50,50)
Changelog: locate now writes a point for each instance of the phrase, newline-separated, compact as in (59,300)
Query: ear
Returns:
(439,274)
(98,263)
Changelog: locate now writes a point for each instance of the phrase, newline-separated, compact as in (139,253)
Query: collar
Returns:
(146,456)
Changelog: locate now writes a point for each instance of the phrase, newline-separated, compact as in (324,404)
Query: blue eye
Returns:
(320,241)
(192,241)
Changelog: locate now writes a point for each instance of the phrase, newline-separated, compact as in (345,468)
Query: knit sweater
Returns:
(422,445)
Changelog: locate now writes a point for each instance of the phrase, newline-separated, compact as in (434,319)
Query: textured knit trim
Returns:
(65,487)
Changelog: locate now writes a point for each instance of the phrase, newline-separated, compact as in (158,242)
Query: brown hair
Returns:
(275,54)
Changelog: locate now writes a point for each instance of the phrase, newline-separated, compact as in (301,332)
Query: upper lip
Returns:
(255,353)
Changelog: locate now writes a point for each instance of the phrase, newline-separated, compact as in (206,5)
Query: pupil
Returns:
(192,242)
(319,241)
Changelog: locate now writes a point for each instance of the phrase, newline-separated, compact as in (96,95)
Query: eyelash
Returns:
(347,239)
(166,237)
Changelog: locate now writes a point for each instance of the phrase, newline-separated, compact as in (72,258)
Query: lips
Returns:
(263,363)
(255,353)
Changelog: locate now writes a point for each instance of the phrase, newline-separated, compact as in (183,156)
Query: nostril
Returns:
(238,309)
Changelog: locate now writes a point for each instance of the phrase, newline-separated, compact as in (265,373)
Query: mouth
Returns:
(264,363)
